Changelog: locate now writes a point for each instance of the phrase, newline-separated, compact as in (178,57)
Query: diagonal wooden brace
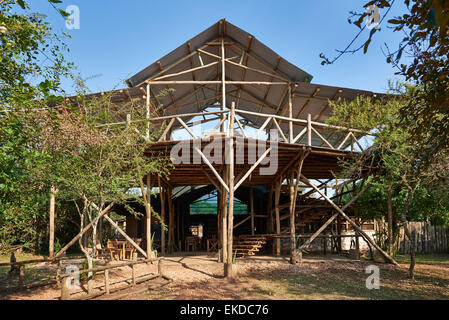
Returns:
(352,223)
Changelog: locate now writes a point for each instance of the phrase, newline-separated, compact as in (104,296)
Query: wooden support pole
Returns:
(148,216)
(148,102)
(269,209)
(162,198)
(106,282)
(292,220)
(277,195)
(224,218)
(170,221)
(332,218)
(339,232)
(352,223)
(293,197)
(223,83)
(159,267)
(133,274)
(251,200)
(309,129)
(65,291)
(356,214)
(51,244)
(229,267)
(219,212)
(178,225)
(290,115)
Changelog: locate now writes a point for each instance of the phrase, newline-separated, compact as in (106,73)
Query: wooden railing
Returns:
(65,288)
(21,271)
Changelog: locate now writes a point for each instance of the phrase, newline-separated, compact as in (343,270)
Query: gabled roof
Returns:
(240,38)
(248,60)
(246,54)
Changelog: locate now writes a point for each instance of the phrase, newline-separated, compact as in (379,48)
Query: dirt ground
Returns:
(318,277)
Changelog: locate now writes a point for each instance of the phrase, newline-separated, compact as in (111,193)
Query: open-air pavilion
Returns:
(267,144)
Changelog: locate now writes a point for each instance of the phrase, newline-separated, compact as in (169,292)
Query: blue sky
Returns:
(117,39)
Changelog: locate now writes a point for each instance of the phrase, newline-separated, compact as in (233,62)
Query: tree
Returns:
(425,29)
(31,66)
(94,161)
(391,160)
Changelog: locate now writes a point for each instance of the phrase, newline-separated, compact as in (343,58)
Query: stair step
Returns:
(250,242)
(242,246)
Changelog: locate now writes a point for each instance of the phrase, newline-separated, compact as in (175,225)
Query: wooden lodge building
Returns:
(248,97)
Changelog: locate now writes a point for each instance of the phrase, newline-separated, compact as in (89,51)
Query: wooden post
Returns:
(224,221)
(339,239)
(293,197)
(292,221)
(269,209)
(159,268)
(290,115)
(133,274)
(219,212)
(162,198)
(309,129)
(65,292)
(356,214)
(21,275)
(51,244)
(178,226)
(277,196)
(251,200)
(148,217)
(223,83)
(170,220)
(229,267)
(148,102)
(106,281)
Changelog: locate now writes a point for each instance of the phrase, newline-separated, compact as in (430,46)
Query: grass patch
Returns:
(340,281)
(433,259)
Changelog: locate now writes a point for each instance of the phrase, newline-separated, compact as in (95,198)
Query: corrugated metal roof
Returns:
(308,98)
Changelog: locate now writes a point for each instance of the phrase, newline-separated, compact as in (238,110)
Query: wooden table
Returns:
(121,245)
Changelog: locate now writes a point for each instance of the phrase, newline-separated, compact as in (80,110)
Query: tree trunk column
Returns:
(292,220)
(51,244)
(229,268)
(148,217)
(278,222)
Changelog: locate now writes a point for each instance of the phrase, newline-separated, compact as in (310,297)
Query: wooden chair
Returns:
(129,251)
(191,244)
(129,248)
(114,250)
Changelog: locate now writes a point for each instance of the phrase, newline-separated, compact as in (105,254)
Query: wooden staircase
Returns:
(248,245)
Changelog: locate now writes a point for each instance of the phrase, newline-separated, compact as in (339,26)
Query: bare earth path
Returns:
(330,277)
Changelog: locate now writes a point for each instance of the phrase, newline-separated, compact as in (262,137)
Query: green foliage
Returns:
(424,27)
(31,66)
(418,188)
(84,276)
